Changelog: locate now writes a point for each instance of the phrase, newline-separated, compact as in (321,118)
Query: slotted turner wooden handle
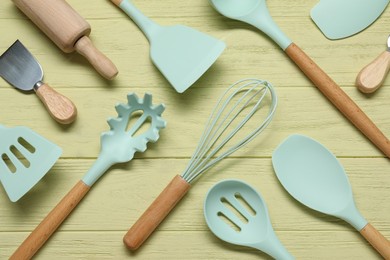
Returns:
(371,77)
(50,223)
(377,240)
(59,106)
(155,214)
(339,98)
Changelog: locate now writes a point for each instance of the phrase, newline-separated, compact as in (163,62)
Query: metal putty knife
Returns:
(19,68)
(339,19)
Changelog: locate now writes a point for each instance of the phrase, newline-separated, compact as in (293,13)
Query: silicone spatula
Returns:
(339,19)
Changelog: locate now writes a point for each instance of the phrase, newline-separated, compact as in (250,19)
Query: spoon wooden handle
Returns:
(156,213)
(377,240)
(371,77)
(50,223)
(99,61)
(339,98)
(59,106)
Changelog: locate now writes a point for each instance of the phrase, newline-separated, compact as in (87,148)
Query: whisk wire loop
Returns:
(222,118)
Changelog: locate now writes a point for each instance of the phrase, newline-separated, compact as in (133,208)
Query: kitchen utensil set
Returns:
(255,12)
(227,130)
(233,210)
(117,146)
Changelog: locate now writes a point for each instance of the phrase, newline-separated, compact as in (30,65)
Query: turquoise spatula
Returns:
(314,177)
(25,158)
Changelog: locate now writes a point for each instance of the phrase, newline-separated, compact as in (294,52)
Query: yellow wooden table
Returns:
(96,227)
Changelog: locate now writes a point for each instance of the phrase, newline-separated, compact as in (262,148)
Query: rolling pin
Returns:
(68,30)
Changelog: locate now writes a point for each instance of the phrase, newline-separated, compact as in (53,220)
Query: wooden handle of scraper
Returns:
(371,77)
(377,240)
(50,223)
(339,98)
(156,213)
(59,106)
(99,61)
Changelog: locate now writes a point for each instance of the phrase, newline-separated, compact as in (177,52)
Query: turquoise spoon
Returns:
(314,177)
(253,227)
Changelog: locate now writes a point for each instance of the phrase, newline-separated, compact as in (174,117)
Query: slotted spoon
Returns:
(240,204)
(117,146)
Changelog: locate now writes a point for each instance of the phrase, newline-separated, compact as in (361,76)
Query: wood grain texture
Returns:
(59,107)
(95,230)
(371,77)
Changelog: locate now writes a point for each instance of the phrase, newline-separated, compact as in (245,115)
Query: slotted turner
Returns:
(25,158)
(117,146)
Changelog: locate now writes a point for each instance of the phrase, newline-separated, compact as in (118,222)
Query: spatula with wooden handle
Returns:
(371,77)
(68,30)
(137,124)
(21,70)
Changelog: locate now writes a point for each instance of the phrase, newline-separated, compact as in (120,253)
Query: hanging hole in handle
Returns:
(7,161)
(244,203)
(20,156)
(228,205)
(138,123)
(229,222)
(26,145)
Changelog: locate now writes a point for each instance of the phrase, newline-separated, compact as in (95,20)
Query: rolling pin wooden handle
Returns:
(50,223)
(99,61)
(377,240)
(371,77)
(156,213)
(339,98)
(59,106)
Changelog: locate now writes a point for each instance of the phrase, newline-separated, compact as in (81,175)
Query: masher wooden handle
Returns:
(156,213)
(99,61)
(339,98)
(377,240)
(50,223)
(371,77)
(59,106)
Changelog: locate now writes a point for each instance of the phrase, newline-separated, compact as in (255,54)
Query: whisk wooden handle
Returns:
(50,223)
(156,213)
(339,98)
(377,240)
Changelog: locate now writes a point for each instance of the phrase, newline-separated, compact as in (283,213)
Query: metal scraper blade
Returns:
(19,67)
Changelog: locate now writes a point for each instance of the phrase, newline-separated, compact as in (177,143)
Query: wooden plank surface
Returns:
(96,228)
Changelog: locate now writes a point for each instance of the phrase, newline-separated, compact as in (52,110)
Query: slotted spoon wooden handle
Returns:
(50,223)
(156,213)
(371,77)
(377,240)
(59,106)
(339,98)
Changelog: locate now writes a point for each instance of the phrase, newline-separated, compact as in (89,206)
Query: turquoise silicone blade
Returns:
(340,19)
